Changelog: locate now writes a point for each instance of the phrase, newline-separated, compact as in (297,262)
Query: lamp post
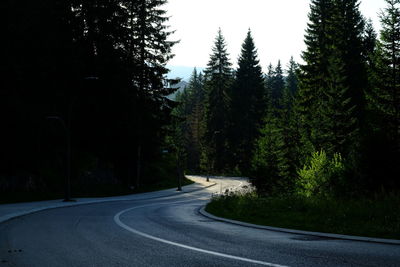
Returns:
(67,129)
(67,197)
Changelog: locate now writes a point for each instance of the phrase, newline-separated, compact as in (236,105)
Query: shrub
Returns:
(321,176)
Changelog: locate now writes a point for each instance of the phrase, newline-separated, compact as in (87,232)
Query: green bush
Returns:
(321,176)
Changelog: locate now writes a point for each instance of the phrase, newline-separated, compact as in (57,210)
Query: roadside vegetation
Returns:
(379,217)
(319,140)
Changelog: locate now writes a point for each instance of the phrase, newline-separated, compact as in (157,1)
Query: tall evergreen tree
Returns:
(370,58)
(370,44)
(290,124)
(218,81)
(248,106)
(195,121)
(269,169)
(346,34)
(275,159)
(383,142)
(151,50)
(337,110)
(313,72)
(269,81)
(274,88)
(278,86)
(292,82)
(386,99)
(335,30)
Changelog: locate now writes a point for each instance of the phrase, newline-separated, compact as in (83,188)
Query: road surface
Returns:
(169,232)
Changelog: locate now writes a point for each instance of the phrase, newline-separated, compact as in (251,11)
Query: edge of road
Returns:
(203,212)
(59,204)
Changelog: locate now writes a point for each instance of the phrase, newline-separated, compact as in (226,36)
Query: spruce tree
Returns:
(343,95)
(337,110)
(218,81)
(275,86)
(313,72)
(370,57)
(346,35)
(278,87)
(290,124)
(370,45)
(335,30)
(126,45)
(275,159)
(386,98)
(292,82)
(269,82)
(383,143)
(248,106)
(151,51)
(269,169)
(195,119)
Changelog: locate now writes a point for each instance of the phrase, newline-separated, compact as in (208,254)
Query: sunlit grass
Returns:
(361,217)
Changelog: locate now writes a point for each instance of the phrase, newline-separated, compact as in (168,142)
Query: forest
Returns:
(328,127)
(88,77)
(84,97)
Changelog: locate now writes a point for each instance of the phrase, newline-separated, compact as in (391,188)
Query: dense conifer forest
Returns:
(326,127)
(84,95)
(89,77)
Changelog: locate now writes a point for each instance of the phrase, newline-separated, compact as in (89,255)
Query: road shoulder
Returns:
(11,211)
(203,212)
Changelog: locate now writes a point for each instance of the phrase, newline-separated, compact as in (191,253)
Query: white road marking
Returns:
(118,221)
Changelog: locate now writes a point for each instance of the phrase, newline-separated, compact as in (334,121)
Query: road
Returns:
(170,232)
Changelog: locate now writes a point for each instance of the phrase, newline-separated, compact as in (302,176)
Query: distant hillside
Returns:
(182,72)
(181,85)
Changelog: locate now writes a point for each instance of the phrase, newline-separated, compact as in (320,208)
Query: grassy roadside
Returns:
(372,218)
(94,191)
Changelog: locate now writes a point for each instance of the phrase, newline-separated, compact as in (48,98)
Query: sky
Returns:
(277,26)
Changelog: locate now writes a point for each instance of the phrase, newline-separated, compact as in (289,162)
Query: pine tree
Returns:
(269,81)
(342,102)
(346,34)
(276,157)
(195,119)
(290,124)
(369,44)
(218,81)
(277,87)
(338,118)
(248,106)
(313,72)
(386,97)
(382,143)
(292,82)
(370,58)
(269,166)
(335,29)
(150,50)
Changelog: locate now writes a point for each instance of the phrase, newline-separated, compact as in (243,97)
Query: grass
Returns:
(93,191)
(361,217)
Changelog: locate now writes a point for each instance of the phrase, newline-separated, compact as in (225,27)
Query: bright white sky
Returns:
(278,27)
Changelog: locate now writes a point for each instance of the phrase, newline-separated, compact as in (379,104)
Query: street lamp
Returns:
(67,129)
(68,157)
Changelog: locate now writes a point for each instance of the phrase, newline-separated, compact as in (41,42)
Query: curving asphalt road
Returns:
(169,231)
